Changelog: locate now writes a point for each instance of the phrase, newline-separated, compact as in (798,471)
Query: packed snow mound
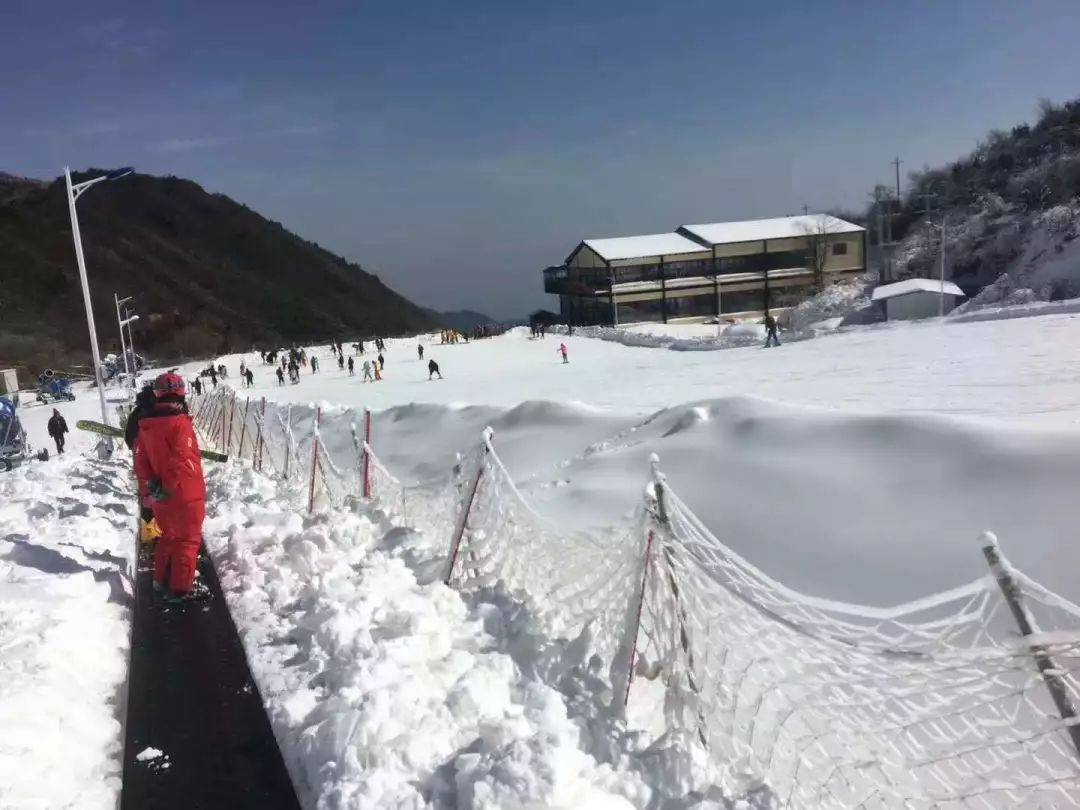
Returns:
(385,690)
(66,536)
(835,301)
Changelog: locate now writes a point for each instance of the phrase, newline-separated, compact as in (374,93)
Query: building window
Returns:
(839,249)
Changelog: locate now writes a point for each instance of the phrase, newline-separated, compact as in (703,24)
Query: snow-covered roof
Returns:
(908,286)
(719,233)
(639,247)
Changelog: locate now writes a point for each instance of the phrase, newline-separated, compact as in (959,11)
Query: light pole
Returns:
(120,322)
(128,321)
(943,227)
(73,192)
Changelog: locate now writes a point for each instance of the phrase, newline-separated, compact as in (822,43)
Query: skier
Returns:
(213,376)
(350,366)
(378,372)
(243,368)
(770,331)
(340,361)
(57,427)
(360,347)
(382,362)
(197,385)
(167,457)
(420,350)
(563,351)
(314,364)
(367,372)
(280,376)
(249,376)
(433,368)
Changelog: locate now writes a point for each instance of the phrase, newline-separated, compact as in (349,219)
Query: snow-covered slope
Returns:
(66,538)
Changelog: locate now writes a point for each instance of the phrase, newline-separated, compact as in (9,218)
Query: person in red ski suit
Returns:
(167,458)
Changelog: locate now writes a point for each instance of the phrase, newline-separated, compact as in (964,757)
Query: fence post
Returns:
(314,457)
(259,425)
(1002,572)
(288,440)
(221,442)
(659,483)
(637,620)
(463,518)
(366,472)
(232,420)
(243,427)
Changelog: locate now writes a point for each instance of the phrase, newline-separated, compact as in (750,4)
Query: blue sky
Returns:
(457,148)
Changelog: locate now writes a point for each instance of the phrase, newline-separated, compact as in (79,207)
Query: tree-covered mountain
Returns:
(208,274)
(1011,209)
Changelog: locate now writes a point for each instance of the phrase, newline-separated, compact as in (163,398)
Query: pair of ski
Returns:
(116,433)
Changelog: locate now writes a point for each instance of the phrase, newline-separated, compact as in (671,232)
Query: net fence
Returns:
(946,702)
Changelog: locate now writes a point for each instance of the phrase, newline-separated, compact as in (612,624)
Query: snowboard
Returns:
(117,433)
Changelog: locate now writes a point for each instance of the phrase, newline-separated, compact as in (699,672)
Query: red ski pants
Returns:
(178,547)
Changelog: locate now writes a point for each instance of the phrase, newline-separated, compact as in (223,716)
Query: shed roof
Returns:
(751,230)
(639,247)
(913,285)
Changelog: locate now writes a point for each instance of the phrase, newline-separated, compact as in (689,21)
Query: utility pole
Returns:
(941,298)
(805,209)
(896,162)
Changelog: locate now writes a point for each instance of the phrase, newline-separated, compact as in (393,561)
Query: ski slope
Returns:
(858,466)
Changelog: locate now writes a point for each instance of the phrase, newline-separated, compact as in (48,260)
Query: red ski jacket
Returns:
(166,449)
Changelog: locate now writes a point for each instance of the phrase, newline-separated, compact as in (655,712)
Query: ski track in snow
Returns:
(66,529)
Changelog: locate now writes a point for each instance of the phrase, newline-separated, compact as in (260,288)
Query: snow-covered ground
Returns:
(859,466)
(66,538)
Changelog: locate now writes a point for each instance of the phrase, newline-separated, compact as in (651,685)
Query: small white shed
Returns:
(915,298)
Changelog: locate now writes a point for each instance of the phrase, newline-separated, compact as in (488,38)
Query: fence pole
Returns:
(314,458)
(232,419)
(637,620)
(659,483)
(1002,572)
(463,518)
(259,426)
(243,427)
(221,442)
(366,479)
(288,439)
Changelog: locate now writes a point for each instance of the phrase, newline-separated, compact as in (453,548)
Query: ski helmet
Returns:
(169,384)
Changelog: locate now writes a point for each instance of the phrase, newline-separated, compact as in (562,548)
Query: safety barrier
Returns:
(939,702)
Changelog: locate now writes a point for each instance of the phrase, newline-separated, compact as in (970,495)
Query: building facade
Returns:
(916,298)
(729,269)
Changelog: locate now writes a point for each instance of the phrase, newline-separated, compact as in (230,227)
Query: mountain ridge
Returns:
(209,275)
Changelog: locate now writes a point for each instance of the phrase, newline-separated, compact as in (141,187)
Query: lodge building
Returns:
(733,269)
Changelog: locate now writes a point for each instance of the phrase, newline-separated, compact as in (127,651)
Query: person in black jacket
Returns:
(57,428)
(144,403)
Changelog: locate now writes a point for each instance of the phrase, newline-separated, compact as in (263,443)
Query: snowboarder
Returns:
(770,331)
(367,372)
(420,350)
(433,368)
(340,361)
(57,427)
(280,376)
(249,376)
(167,457)
(351,364)
(563,351)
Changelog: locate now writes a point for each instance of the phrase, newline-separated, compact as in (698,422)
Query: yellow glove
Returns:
(149,531)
